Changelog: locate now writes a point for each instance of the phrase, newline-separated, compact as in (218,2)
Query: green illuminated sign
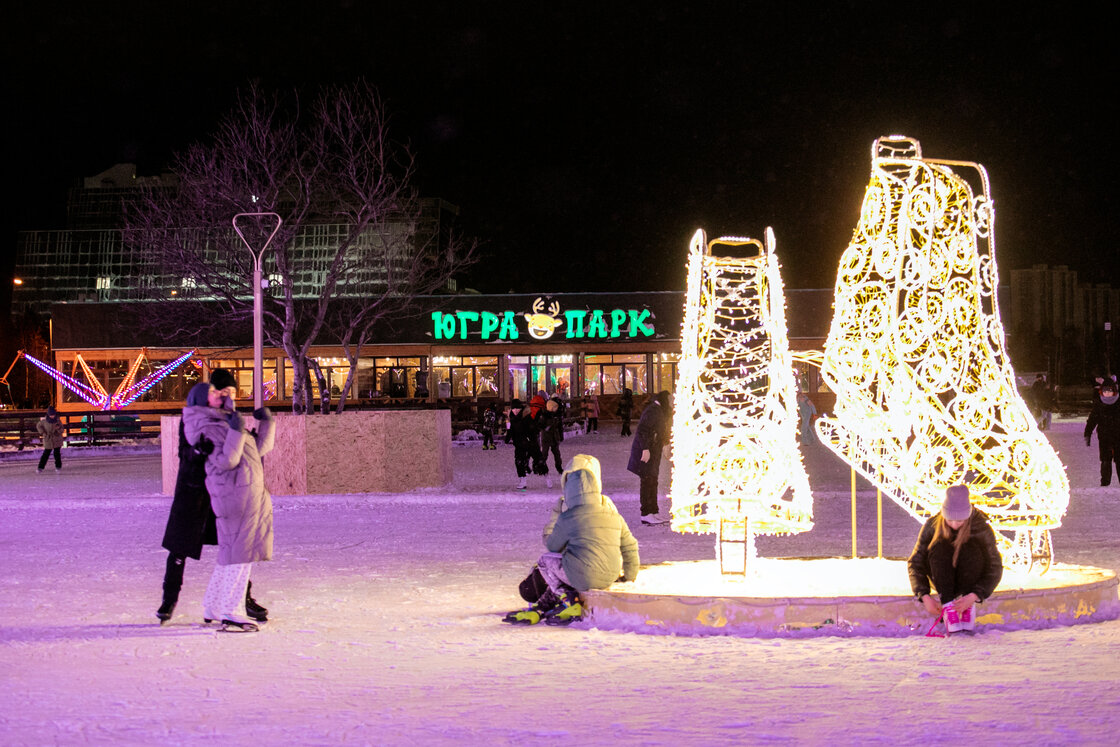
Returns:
(578,324)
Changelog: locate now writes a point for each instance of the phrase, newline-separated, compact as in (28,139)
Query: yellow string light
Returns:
(925,392)
(734,442)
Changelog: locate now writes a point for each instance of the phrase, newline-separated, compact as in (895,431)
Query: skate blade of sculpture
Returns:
(737,469)
(925,392)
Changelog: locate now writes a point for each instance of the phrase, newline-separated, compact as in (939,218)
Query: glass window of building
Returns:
(610,374)
(465,376)
(551,374)
(665,371)
(242,370)
(399,377)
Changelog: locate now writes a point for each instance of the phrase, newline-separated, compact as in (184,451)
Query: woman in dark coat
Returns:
(956,550)
(1105,419)
(524,433)
(191,524)
(645,453)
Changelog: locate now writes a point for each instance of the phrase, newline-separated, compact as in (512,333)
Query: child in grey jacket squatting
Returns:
(589,546)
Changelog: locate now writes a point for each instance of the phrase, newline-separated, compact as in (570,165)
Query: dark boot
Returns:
(252,609)
(165,611)
(172,583)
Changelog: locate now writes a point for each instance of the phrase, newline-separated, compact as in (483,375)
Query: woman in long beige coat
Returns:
(242,505)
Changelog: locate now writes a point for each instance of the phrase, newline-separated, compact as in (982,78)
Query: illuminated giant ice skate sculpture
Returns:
(737,469)
(925,394)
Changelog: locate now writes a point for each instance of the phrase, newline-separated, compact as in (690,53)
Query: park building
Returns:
(456,350)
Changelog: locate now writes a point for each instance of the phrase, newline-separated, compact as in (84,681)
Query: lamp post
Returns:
(258,303)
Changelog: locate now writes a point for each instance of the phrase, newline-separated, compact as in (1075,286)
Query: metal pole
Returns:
(258,303)
(258,336)
(879,500)
(854,553)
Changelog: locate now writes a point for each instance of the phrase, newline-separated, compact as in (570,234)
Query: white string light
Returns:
(925,392)
(735,454)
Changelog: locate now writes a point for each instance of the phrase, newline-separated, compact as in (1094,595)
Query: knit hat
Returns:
(516,403)
(221,378)
(199,395)
(537,401)
(51,412)
(957,506)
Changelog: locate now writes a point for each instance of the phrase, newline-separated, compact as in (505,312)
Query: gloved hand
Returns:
(1089,440)
(235,421)
(262,413)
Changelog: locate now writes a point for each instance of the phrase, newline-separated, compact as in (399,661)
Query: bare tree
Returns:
(342,187)
(413,263)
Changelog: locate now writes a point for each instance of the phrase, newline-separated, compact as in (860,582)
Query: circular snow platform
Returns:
(803,597)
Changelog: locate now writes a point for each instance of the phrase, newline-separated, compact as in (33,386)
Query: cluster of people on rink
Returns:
(220,499)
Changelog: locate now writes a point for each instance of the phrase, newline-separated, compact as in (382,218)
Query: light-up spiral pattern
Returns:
(735,453)
(925,393)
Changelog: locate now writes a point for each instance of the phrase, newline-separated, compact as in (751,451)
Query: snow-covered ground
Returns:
(386,627)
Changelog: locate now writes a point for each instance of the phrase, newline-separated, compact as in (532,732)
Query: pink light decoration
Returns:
(135,391)
(95,398)
(101,399)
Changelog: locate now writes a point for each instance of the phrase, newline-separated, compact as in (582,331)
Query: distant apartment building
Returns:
(1063,326)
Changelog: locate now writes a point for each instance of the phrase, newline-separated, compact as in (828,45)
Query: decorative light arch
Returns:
(737,469)
(95,394)
(925,392)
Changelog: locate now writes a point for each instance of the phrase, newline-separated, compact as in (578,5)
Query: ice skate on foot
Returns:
(165,611)
(238,626)
(252,608)
(654,519)
(566,615)
(530,616)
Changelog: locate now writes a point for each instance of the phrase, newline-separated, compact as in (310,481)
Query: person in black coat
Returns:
(645,453)
(191,523)
(956,551)
(626,410)
(552,433)
(524,433)
(1105,419)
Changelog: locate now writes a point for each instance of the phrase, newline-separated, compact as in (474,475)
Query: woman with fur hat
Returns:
(242,506)
(51,431)
(956,550)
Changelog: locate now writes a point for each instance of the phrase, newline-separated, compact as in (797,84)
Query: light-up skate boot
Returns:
(737,469)
(925,394)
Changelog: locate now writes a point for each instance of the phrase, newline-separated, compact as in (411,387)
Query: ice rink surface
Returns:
(385,627)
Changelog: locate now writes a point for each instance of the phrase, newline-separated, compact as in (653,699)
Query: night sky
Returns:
(583,143)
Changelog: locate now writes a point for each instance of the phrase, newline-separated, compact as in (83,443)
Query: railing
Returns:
(100,427)
(86,428)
